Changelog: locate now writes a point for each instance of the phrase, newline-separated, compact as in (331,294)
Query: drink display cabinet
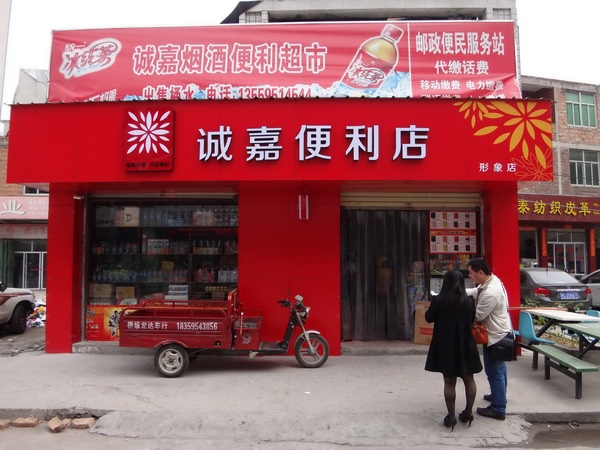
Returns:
(172,252)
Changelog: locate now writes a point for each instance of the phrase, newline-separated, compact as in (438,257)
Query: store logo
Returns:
(12,207)
(80,60)
(149,140)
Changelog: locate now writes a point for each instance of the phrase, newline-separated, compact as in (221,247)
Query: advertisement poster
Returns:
(342,59)
(102,323)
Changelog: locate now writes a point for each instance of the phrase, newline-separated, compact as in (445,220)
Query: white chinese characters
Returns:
(313,142)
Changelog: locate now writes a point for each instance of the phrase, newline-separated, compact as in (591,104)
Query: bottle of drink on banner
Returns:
(372,63)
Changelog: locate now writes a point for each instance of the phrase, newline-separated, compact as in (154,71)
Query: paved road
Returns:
(378,401)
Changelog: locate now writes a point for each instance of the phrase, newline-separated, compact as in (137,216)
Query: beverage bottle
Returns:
(374,60)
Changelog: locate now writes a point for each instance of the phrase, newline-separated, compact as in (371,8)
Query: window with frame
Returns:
(581,109)
(502,13)
(584,167)
(32,191)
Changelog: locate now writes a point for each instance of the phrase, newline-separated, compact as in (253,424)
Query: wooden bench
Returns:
(570,365)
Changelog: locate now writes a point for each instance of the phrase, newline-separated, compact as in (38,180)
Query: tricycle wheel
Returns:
(171,360)
(317,357)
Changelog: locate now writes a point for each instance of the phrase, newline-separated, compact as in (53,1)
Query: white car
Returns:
(15,306)
(593,282)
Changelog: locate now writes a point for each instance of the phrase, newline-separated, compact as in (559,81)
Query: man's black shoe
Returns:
(487,397)
(489,412)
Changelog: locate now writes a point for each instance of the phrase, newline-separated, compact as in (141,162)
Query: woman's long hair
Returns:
(453,287)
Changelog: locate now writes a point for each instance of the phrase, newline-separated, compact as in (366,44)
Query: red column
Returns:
(501,238)
(64,272)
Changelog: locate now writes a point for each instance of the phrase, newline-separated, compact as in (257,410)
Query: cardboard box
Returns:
(423,330)
(100,290)
(125,292)
(131,216)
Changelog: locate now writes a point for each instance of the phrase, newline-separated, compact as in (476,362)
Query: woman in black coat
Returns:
(453,350)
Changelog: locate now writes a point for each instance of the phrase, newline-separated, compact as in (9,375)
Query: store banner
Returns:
(285,139)
(357,59)
(558,208)
(34,207)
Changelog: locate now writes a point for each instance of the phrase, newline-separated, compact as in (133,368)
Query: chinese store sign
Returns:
(289,139)
(33,207)
(558,208)
(358,59)
(313,141)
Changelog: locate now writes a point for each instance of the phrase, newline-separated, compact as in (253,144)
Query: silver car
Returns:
(592,280)
(553,288)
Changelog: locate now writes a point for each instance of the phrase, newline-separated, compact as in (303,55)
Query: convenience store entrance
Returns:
(383,256)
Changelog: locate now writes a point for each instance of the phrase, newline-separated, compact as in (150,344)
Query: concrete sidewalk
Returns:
(374,396)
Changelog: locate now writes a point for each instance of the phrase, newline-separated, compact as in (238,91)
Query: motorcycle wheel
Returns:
(304,355)
(171,360)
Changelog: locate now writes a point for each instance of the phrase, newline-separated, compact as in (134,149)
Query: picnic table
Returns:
(588,334)
(573,366)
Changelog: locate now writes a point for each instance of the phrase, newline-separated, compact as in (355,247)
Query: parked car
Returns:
(15,306)
(592,280)
(553,287)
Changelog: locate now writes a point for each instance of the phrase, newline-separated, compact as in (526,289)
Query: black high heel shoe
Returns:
(449,422)
(464,417)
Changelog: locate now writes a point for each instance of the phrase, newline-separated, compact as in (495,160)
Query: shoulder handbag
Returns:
(504,349)
(478,329)
(479,333)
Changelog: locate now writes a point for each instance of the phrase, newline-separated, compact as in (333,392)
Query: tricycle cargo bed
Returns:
(192,327)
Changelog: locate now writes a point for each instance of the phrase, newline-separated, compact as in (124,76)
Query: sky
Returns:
(557,37)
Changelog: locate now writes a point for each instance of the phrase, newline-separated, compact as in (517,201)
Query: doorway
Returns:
(380,249)
(30,270)
(566,249)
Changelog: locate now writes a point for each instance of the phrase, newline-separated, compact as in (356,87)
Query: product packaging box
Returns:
(423,330)
(100,290)
(125,292)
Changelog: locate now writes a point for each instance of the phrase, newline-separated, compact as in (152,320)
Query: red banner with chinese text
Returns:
(362,59)
(558,208)
(284,139)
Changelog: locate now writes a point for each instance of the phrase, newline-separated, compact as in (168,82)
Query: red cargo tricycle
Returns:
(182,330)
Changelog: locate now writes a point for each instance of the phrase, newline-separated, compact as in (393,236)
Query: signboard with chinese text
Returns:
(290,139)
(34,207)
(558,208)
(357,59)
(23,231)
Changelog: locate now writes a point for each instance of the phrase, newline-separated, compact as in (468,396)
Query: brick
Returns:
(83,423)
(56,425)
(5,423)
(26,422)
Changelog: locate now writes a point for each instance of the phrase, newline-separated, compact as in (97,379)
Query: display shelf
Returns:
(158,252)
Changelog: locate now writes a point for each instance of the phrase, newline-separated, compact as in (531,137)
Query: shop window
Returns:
(161,251)
(581,109)
(584,167)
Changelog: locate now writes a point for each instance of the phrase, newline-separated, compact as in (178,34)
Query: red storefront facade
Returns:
(288,163)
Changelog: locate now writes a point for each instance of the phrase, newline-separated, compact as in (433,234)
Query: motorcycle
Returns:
(183,330)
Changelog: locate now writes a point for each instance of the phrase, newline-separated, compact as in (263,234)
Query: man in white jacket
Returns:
(492,311)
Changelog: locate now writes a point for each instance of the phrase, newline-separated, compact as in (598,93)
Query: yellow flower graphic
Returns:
(523,125)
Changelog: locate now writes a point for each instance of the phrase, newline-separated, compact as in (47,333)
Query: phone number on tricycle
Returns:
(198,326)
